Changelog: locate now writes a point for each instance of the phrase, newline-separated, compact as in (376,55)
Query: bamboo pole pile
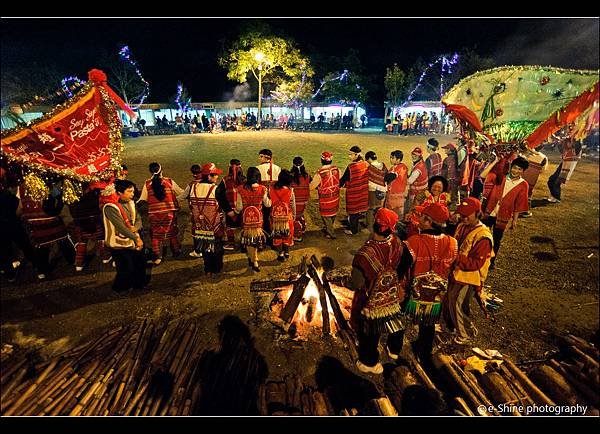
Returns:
(148,369)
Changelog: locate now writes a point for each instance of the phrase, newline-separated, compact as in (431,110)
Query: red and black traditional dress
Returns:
(376,307)
(302,195)
(329,191)
(252,216)
(282,217)
(433,256)
(87,225)
(43,229)
(357,188)
(162,215)
(207,216)
(396,193)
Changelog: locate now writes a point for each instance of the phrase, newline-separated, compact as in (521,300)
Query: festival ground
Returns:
(546,273)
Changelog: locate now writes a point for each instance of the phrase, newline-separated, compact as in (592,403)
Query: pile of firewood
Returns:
(292,397)
(143,370)
(571,377)
(568,379)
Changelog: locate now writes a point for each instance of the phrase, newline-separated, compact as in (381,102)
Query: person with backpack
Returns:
(433,254)
(327,182)
(283,213)
(379,292)
(251,198)
(301,185)
(208,202)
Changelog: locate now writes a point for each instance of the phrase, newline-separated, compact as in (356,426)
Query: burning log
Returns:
(288,311)
(311,308)
(266,285)
(312,272)
(534,392)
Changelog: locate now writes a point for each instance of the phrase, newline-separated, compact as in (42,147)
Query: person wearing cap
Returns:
(475,242)
(417,180)
(301,185)
(379,292)
(377,187)
(327,183)
(269,174)
(506,200)
(397,184)
(252,198)
(450,170)
(161,194)
(433,254)
(234,178)
(356,181)
(434,160)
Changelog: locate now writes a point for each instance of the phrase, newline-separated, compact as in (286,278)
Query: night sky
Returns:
(172,50)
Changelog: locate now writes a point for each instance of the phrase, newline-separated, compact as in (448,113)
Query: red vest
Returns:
(398,185)
(329,191)
(254,198)
(420,183)
(169,203)
(376,175)
(357,188)
(435,164)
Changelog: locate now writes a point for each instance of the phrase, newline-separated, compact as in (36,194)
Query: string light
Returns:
(184,106)
(446,68)
(340,77)
(76,83)
(126,55)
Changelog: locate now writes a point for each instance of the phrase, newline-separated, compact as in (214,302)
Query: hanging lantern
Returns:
(35,188)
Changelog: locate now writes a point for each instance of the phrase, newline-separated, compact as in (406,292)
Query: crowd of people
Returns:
(436,228)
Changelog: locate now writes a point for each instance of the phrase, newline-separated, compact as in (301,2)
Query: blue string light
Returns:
(184,106)
(66,88)
(125,54)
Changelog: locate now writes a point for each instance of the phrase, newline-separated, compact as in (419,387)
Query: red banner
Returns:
(76,139)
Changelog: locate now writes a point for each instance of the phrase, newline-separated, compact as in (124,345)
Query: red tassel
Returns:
(98,77)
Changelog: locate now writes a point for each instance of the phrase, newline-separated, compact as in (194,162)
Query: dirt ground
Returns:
(546,273)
